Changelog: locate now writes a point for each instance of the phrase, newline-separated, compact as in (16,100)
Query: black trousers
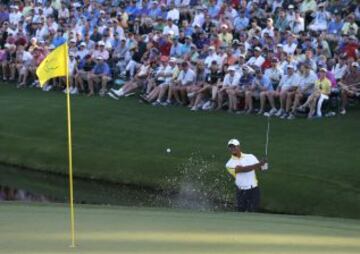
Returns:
(248,200)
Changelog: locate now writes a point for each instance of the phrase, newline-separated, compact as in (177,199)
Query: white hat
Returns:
(73,40)
(291,6)
(83,44)
(279,45)
(212,47)
(291,66)
(172,59)
(224,26)
(257,49)
(231,68)
(233,142)
(323,69)
(99,58)
(101,43)
(355,64)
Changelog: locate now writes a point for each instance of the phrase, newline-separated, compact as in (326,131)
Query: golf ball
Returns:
(168,150)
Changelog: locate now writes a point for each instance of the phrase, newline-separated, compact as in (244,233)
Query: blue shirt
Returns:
(246,80)
(102,69)
(241,23)
(57,41)
(176,50)
(266,83)
(213,11)
(334,27)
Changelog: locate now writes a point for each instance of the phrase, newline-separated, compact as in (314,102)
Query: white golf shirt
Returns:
(232,81)
(288,81)
(246,180)
(186,78)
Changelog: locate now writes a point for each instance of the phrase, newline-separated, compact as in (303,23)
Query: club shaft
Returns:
(267,137)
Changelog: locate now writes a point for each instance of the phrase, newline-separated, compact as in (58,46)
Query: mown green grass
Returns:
(34,229)
(314,164)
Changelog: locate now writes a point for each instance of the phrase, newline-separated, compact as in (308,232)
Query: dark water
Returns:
(18,184)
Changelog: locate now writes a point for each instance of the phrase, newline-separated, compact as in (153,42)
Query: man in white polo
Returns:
(242,166)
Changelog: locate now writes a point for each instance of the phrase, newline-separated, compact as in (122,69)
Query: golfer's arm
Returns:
(240,169)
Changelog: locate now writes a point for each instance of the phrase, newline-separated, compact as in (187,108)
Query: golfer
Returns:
(242,166)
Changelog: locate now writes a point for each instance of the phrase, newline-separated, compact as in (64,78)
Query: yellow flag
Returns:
(54,65)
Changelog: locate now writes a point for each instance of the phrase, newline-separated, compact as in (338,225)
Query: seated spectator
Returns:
(84,68)
(261,88)
(209,90)
(322,87)
(25,59)
(230,82)
(306,87)
(257,60)
(321,19)
(197,85)
(287,87)
(178,89)
(274,73)
(101,73)
(8,71)
(136,83)
(163,78)
(349,86)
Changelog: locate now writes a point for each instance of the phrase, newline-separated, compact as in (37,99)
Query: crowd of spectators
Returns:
(287,56)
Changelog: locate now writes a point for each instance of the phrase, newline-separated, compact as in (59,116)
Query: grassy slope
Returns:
(44,229)
(314,163)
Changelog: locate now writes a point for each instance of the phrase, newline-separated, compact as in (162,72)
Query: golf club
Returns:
(266,165)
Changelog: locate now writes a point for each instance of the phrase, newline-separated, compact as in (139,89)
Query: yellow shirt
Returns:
(226,38)
(323,85)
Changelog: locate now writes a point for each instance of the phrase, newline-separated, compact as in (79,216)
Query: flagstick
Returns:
(71,186)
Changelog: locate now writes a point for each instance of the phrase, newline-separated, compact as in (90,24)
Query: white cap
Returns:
(73,40)
(224,26)
(231,68)
(291,66)
(279,45)
(355,64)
(83,44)
(101,43)
(173,59)
(212,47)
(233,142)
(257,49)
(99,58)
(323,69)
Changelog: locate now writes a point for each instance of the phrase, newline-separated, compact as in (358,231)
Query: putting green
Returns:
(33,228)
